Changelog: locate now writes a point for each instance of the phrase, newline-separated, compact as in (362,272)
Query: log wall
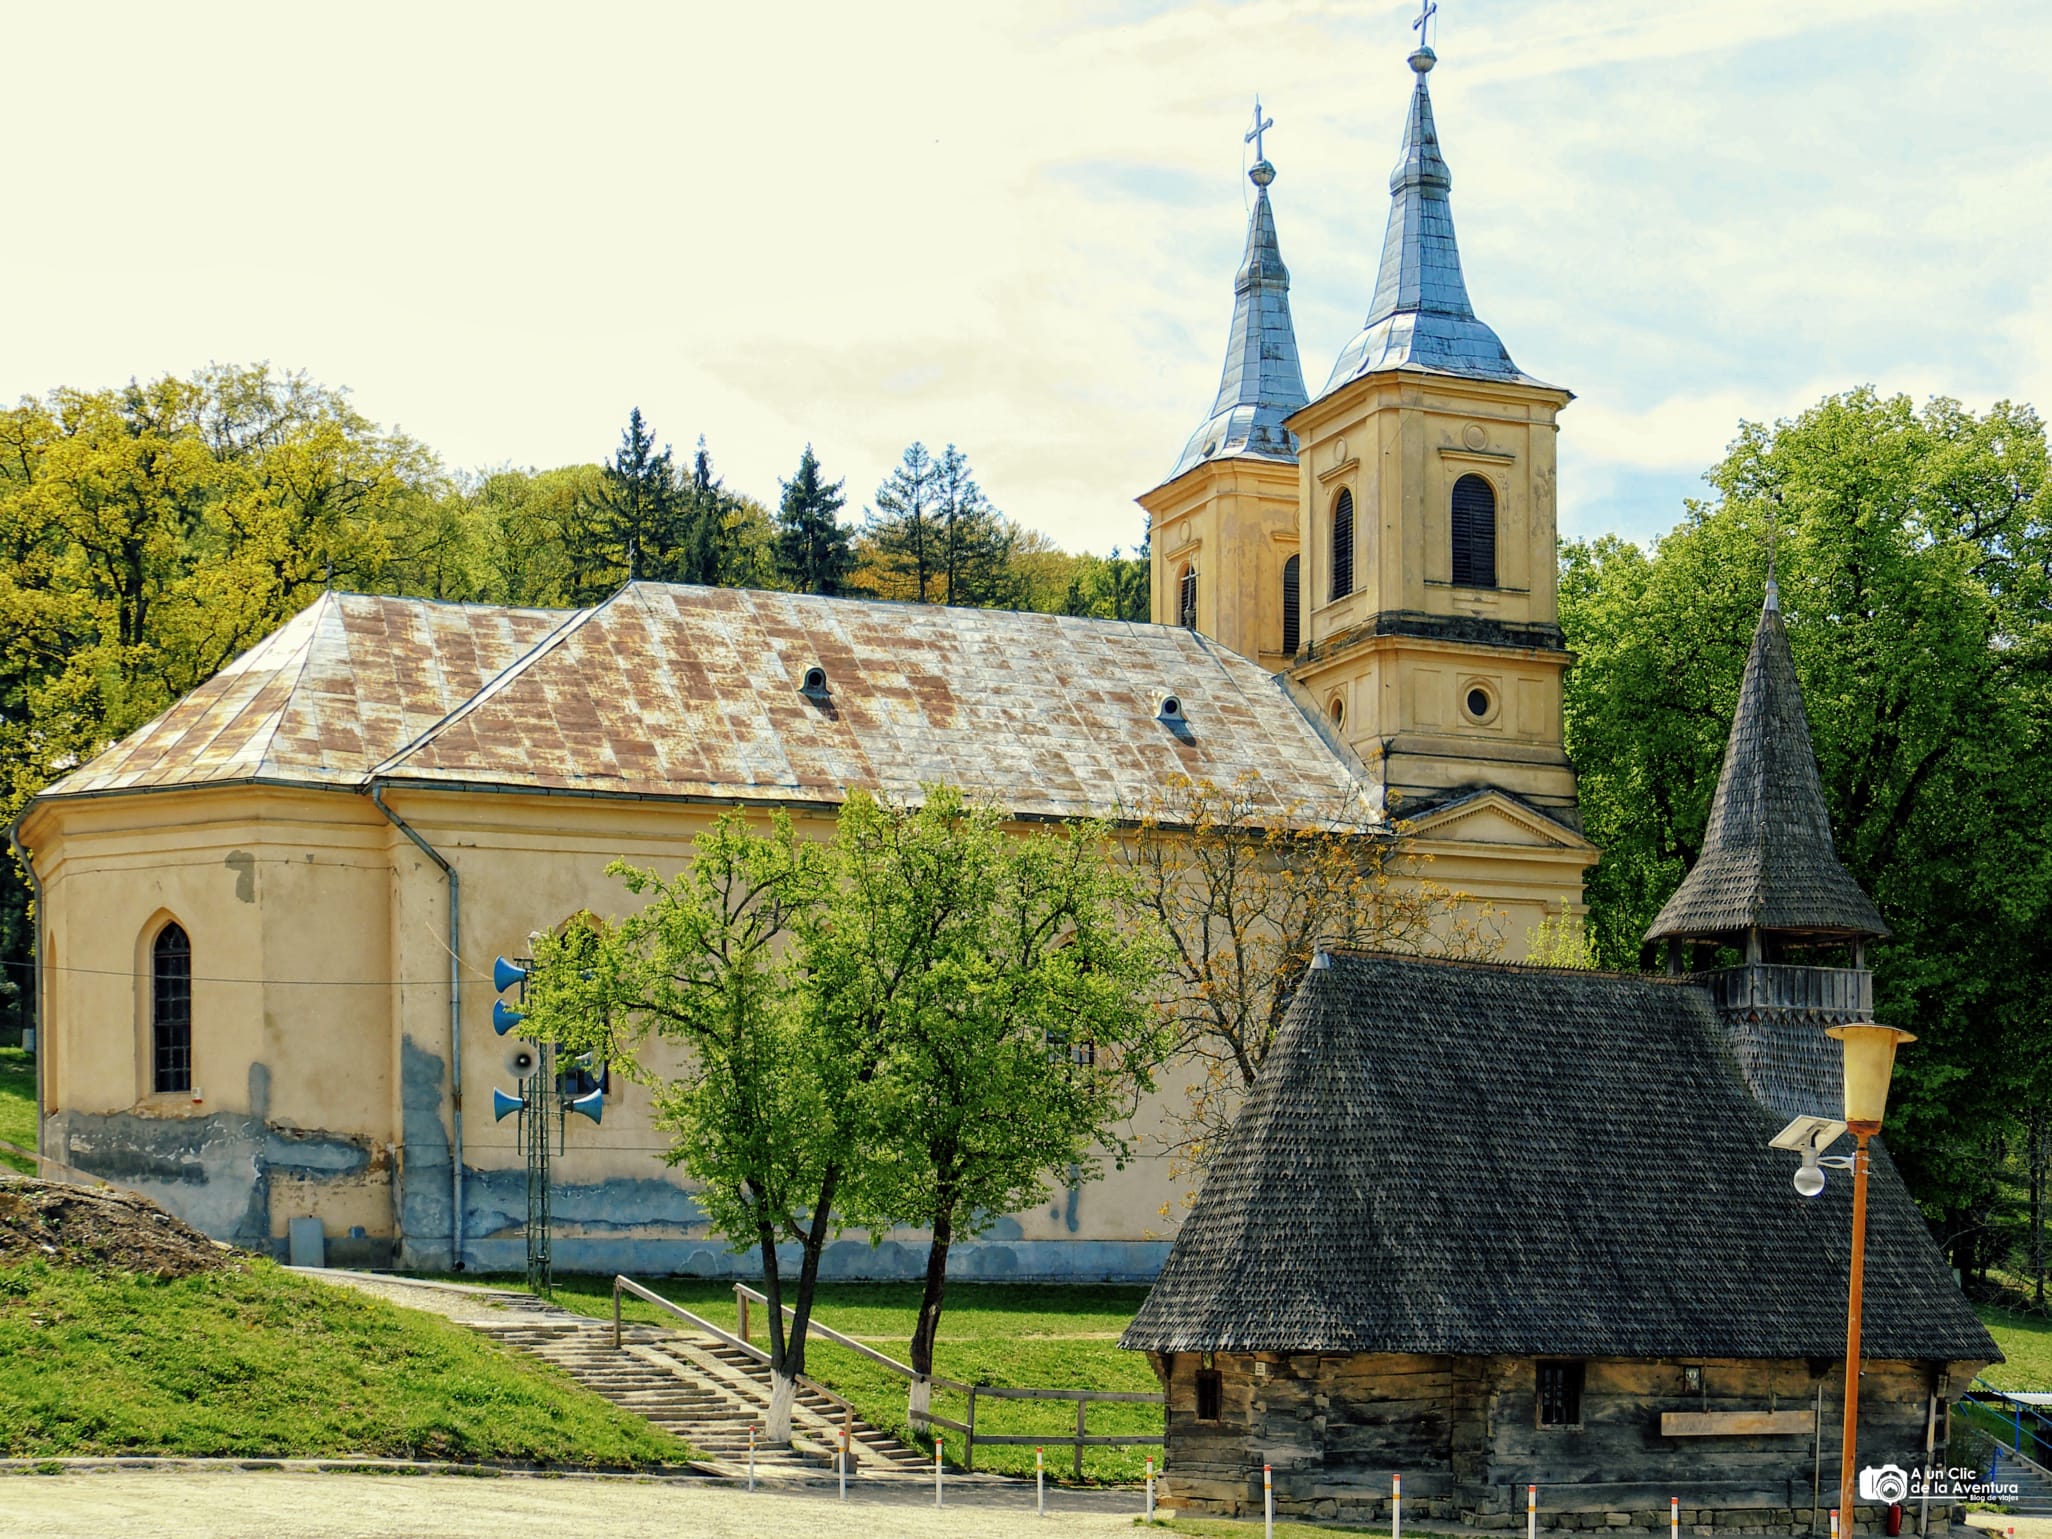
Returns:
(1464,1434)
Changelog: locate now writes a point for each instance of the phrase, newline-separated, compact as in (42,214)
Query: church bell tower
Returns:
(1431,633)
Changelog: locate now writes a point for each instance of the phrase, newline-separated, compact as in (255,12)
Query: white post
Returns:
(1531,1512)
(1040,1482)
(1268,1501)
(1674,1517)
(1834,1523)
(1396,1507)
(936,1469)
(751,1456)
(1150,1488)
(843,1462)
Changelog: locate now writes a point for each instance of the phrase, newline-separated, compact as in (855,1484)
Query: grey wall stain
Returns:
(243,864)
(1075,1202)
(259,1089)
(424,1175)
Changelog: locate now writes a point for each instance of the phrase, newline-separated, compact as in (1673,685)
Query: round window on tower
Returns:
(1478,701)
(1336,708)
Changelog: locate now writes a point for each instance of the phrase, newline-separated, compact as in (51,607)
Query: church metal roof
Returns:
(1420,317)
(689,692)
(1474,1158)
(1263,380)
(1768,859)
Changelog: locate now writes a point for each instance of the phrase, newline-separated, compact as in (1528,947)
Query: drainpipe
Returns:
(455,949)
(35,939)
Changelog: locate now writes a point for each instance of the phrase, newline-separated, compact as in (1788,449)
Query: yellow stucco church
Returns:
(267,919)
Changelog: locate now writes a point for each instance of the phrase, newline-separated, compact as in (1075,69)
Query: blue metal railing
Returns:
(2023,1429)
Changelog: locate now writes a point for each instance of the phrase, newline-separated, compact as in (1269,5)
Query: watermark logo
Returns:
(1887,1484)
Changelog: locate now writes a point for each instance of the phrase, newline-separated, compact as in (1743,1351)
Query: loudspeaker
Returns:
(505,974)
(589,1105)
(502,1104)
(505,1017)
(520,1061)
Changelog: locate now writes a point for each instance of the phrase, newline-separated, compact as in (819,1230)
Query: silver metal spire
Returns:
(1420,317)
(1263,380)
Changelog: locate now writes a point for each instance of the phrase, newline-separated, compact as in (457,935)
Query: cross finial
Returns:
(1425,15)
(1261,126)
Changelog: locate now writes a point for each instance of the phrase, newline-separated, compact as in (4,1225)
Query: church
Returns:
(267,919)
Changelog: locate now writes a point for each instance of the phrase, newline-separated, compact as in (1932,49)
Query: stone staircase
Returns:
(704,1391)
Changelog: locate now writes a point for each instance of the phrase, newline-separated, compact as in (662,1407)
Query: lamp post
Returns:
(1869,1064)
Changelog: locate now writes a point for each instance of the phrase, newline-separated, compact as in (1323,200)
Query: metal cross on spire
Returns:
(1261,126)
(1418,26)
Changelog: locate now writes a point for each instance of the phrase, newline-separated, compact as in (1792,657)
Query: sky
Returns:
(1014,226)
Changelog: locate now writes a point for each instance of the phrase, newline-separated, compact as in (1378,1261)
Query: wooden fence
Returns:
(745,1296)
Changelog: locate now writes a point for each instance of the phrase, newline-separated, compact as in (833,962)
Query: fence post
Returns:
(741,1309)
(969,1437)
(616,1314)
(1082,1406)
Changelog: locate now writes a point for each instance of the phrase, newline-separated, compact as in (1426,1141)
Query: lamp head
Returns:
(1869,1065)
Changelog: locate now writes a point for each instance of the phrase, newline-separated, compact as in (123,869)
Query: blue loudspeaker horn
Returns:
(504,1017)
(505,974)
(504,1104)
(589,1105)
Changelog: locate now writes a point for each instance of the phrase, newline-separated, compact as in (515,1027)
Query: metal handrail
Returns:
(745,1295)
(2013,1411)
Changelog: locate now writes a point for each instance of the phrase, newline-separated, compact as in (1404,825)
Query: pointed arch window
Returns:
(1343,544)
(1293,612)
(171,1009)
(1186,598)
(1474,533)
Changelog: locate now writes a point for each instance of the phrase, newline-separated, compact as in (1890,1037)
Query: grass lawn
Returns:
(1045,1336)
(255,1361)
(2026,1340)
(17,1106)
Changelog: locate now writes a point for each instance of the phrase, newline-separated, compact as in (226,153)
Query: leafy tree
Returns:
(1010,982)
(1113,587)
(904,544)
(760,1113)
(1247,900)
(1913,548)
(813,549)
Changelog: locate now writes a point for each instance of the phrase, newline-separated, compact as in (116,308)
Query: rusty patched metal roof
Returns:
(325,697)
(699,692)
(671,690)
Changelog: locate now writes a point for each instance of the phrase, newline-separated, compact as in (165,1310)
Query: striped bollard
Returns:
(1531,1512)
(843,1461)
(1268,1501)
(1150,1488)
(1834,1523)
(937,1444)
(1674,1517)
(1040,1482)
(751,1456)
(1396,1507)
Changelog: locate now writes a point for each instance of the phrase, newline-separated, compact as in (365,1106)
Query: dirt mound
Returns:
(102,1228)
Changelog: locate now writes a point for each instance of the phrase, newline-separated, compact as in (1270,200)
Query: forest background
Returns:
(149,534)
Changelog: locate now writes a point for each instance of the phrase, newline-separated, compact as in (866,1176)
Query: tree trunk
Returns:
(783,1393)
(935,1292)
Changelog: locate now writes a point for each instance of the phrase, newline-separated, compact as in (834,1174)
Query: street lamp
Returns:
(1869,1064)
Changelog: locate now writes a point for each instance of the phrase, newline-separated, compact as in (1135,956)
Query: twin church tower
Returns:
(1389,546)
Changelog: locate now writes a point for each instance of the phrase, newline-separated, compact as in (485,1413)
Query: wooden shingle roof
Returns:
(1445,1157)
(1768,859)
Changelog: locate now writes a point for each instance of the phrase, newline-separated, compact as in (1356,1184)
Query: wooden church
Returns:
(1492,1226)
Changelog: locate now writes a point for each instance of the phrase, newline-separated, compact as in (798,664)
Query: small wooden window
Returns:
(1343,544)
(171,1010)
(1186,599)
(1474,533)
(1560,1394)
(1293,628)
(1210,1394)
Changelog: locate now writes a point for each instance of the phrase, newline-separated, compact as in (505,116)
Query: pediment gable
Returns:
(1493,817)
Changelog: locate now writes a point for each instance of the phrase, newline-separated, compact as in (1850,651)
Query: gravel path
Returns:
(264,1504)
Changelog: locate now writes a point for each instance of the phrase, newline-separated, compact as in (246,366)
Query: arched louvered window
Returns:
(1474,533)
(1343,545)
(171,1009)
(1293,627)
(1186,598)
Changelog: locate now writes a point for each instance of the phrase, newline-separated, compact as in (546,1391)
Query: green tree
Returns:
(904,544)
(975,539)
(636,524)
(1113,587)
(1010,979)
(814,553)
(1912,550)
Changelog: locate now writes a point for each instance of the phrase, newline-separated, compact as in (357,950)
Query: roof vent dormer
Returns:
(815,685)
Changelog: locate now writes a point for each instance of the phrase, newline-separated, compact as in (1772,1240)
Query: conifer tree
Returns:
(814,553)
(902,527)
(636,523)
(708,507)
(976,539)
